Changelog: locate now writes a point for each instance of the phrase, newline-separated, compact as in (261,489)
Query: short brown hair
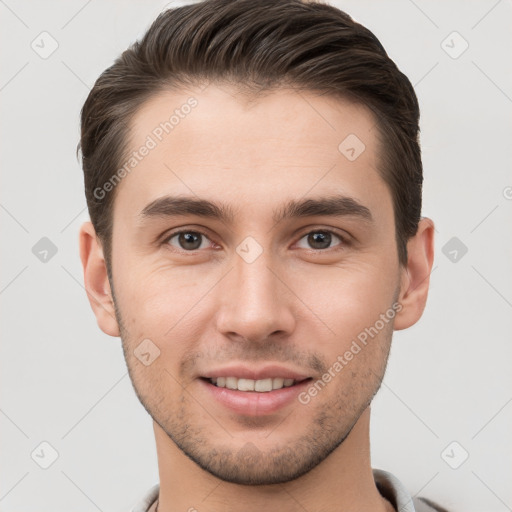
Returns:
(258,45)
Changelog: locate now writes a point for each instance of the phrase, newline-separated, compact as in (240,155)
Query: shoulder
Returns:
(391,488)
(426,505)
(147,502)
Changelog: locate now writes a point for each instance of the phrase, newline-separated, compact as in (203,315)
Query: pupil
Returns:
(323,238)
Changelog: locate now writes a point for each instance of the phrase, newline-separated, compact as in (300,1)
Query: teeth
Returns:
(262,385)
(246,384)
(277,383)
(231,382)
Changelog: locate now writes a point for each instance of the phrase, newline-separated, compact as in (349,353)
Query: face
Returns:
(290,276)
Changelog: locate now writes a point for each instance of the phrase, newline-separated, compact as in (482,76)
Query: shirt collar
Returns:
(387,484)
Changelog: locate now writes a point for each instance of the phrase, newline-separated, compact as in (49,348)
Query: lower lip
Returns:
(254,403)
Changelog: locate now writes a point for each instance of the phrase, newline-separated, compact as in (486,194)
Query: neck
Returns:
(343,481)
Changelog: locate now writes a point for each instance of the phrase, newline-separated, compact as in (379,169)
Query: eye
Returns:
(187,240)
(321,239)
(191,240)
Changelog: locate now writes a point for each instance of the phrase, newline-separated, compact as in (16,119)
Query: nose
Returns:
(255,302)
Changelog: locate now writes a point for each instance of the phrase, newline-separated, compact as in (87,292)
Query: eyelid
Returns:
(345,238)
(178,231)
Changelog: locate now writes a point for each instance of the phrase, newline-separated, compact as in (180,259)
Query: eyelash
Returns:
(343,240)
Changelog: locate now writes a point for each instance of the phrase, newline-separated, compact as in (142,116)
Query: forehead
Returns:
(218,143)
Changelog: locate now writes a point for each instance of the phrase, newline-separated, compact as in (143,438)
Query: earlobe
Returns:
(96,281)
(416,275)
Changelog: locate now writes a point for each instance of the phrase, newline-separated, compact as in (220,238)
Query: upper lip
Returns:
(264,372)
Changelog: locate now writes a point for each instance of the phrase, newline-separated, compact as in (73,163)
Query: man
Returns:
(253,177)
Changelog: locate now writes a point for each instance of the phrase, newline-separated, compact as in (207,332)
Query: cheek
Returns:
(347,300)
(165,307)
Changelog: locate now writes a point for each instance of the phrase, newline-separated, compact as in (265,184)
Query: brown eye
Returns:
(321,240)
(187,240)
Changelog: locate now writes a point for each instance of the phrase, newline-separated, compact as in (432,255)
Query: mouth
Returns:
(263,390)
(260,386)
(254,397)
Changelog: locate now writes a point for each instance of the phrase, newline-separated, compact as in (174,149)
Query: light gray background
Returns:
(65,382)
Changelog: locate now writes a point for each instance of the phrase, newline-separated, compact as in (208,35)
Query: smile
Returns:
(261,385)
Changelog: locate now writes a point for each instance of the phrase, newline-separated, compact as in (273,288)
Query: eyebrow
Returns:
(332,206)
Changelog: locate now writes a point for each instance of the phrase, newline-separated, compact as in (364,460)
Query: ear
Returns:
(415,278)
(96,281)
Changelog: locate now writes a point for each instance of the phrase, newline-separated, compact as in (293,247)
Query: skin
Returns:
(300,304)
